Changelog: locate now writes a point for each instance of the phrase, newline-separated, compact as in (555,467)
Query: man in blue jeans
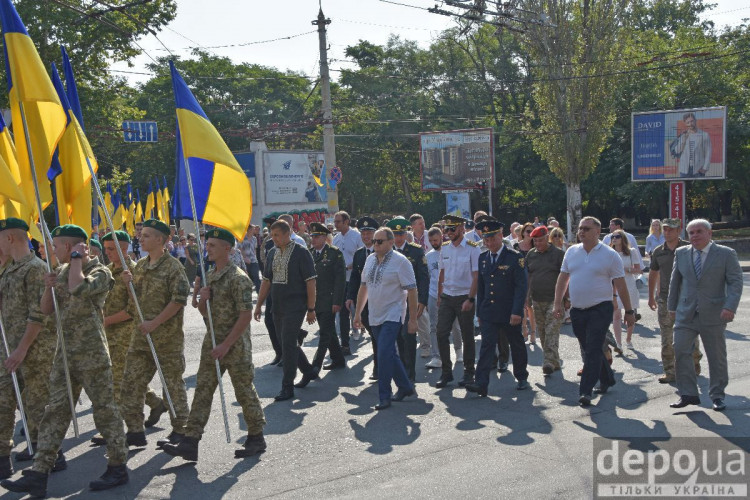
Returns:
(387,283)
(592,269)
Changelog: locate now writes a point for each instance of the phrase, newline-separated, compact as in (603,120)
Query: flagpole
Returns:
(46,236)
(27,434)
(111,225)
(208,300)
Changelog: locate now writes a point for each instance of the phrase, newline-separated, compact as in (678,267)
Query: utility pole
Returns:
(329,145)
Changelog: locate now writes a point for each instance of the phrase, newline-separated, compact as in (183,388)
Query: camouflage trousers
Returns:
(139,370)
(666,327)
(548,329)
(118,352)
(98,386)
(242,375)
(33,376)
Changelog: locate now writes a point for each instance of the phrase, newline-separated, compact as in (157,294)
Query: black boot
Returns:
(115,475)
(173,438)
(32,482)
(286,393)
(136,438)
(187,448)
(98,440)
(253,445)
(155,415)
(6,467)
(60,462)
(25,456)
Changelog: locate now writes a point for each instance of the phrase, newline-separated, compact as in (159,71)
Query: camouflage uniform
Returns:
(156,285)
(120,335)
(232,293)
(81,314)
(548,327)
(21,287)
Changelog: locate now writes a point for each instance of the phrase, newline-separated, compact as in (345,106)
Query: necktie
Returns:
(494,258)
(400,250)
(698,264)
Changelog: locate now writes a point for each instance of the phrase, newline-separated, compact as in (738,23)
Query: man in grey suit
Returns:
(703,297)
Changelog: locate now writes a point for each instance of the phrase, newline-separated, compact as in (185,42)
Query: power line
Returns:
(245,44)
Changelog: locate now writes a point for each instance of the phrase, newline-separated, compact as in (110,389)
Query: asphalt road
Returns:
(329,442)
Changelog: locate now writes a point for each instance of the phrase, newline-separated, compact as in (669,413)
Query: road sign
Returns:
(140,131)
(335,175)
(677,201)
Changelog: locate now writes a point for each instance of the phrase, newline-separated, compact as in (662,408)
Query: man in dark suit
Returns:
(267,245)
(704,293)
(330,286)
(501,294)
(367,227)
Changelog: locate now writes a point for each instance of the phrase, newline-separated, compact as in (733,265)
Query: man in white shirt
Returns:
(418,232)
(348,240)
(388,282)
(592,269)
(474,235)
(457,291)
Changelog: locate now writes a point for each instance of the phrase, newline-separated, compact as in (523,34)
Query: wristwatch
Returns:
(311,310)
(630,311)
(471,299)
(76,255)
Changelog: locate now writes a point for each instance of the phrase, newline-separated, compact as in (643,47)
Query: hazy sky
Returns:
(235,24)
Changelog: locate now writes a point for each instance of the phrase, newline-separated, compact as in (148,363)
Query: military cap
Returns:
(367,224)
(485,217)
(453,220)
(93,242)
(269,220)
(121,236)
(540,231)
(489,226)
(160,226)
(13,223)
(469,224)
(221,234)
(673,223)
(398,224)
(317,229)
(70,230)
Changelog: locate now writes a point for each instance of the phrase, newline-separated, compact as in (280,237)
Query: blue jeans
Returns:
(389,364)
(590,328)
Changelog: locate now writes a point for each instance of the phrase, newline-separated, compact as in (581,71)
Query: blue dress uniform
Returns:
(501,293)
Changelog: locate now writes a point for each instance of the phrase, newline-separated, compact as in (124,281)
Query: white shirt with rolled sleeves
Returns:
(591,274)
(458,262)
(348,243)
(433,267)
(387,284)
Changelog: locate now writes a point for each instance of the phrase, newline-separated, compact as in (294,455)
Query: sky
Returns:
(256,31)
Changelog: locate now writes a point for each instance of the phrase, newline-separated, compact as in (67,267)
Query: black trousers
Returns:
(288,325)
(268,321)
(345,323)
(590,327)
(449,310)
(328,340)
(407,349)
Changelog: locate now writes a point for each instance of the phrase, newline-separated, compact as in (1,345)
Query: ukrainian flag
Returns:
(130,209)
(222,190)
(108,199)
(30,86)
(138,209)
(165,197)
(159,202)
(150,202)
(12,200)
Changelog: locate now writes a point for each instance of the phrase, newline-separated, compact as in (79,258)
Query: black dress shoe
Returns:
(276,360)
(522,385)
(686,400)
(502,367)
(444,381)
(383,405)
(603,388)
(306,379)
(482,391)
(374,376)
(719,405)
(585,400)
(468,379)
(284,394)
(346,351)
(404,393)
(334,366)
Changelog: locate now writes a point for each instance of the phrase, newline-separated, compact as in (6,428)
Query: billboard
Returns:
(292,177)
(458,204)
(685,144)
(456,159)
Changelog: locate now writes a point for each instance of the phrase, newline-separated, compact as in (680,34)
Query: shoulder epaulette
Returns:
(417,245)
(472,243)
(446,242)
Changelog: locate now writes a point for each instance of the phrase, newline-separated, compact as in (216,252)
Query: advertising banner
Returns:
(458,204)
(456,159)
(686,144)
(294,177)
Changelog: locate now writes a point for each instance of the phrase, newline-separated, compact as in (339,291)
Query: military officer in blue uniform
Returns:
(367,227)
(501,294)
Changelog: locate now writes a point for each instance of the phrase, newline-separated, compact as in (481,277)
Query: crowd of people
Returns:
(416,290)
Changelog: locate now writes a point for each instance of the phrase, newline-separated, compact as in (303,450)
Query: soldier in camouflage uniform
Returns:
(162,288)
(30,340)
(120,327)
(231,293)
(81,286)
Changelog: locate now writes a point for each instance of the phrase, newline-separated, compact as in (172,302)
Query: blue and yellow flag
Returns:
(150,203)
(138,208)
(30,88)
(159,202)
(108,199)
(71,89)
(222,190)
(130,210)
(165,197)
(12,200)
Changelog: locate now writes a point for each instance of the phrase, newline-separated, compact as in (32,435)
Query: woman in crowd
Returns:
(654,238)
(557,238)
(523,245)
(632,267)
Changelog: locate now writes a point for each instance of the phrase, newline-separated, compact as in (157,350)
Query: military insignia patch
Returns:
(247,295)
(521,262)
(2,224)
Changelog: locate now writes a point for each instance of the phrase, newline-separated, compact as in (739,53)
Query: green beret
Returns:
(95,243)
(221,234)
(158,225)
(398,224)
(13,223)
(121,236)
(70,230)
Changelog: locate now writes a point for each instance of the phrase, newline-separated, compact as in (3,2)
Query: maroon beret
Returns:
(539,232)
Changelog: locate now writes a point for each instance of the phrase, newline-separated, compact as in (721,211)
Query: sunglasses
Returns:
(450,229)
(617,237)
(585,228)
(378,241)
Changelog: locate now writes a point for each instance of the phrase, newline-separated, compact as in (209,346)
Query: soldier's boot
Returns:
(98,440)
(115,475)
(187,448)
(155,415)
(253,445)
(173,438)
(60,462)
(136,438)
(25,456)
(32,482)
(6,467)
